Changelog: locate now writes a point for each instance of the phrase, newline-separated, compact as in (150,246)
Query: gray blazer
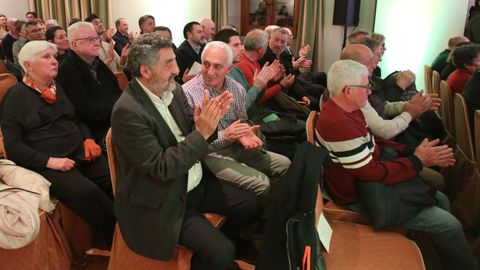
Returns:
(151,188)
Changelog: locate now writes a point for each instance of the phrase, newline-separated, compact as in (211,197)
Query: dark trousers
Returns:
(87,191)
(212,248)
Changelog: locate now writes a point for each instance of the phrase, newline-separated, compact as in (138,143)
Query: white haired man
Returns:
(236,156)
(356,157)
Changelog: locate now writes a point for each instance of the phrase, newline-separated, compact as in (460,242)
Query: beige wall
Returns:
(172,13)
(14,8)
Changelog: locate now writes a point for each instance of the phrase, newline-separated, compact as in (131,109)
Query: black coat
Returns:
(34,131)
(152,171)
(93,98)
(298,193)
(186,55)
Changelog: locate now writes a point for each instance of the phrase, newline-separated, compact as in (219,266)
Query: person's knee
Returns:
(221,252)
(281,165)
(87,191)
(261,187)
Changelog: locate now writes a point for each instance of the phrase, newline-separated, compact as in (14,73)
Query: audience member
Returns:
(276,50)
(146,24)
(230,26)
(282,132)
(190,50)
(107,50)
(402,115)
(29,31)
(41,133)
(161,189)
(58,36)
(9,39)
(3,27)
(208,26)
(121,36)
(450,66)
(255,46)
(261,78)
(380,39)
(236,155)
(467,61)
(357,35)
(440,62)
(89,83)
(356,156)
(30,16)
(166,33)
(50,23)
(74,20)
(393,119)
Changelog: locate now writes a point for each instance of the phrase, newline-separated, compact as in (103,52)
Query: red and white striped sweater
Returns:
(356,156)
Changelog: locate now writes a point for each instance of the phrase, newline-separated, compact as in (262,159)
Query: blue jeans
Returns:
(446,231)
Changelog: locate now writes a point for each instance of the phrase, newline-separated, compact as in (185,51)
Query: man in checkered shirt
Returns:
(236,156)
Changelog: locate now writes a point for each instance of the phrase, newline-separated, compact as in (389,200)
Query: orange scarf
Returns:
(48,94)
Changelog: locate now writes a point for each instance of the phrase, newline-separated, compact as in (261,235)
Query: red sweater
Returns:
(355,156)
(457,79)
(248,68)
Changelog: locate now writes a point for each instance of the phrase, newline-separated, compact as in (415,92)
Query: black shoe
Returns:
(246,251)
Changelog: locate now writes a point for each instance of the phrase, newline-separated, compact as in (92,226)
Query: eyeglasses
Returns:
(89,39)
(37,30)
(366,87)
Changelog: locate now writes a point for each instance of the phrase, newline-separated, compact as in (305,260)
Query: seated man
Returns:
(401,113)
(440,62)
(116,62)
(190,50)
(255,46)
(236,155)
(89,83)
(161,189)
(355,154)
(282,132)
(277,50)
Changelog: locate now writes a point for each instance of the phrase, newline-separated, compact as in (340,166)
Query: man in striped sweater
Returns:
(356,156)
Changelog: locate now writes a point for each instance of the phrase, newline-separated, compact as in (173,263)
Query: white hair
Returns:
(74,28)
(343,73)
(220,45)
(31,49)
(51,22)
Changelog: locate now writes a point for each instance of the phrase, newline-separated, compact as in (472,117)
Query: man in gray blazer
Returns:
(161,189)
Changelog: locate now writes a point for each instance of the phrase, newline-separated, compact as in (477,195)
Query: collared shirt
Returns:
(194,91)
(161,104)
(195,47)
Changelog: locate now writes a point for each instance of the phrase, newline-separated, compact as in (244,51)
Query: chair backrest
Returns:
(3,67)
(446,108)
(111,159)
(428,78)
(436,82)
(122,80)
(310,126)
(7,80)
(321,101)
(462,127)
(477,134)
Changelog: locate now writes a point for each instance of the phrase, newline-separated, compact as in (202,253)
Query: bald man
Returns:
(208,26)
